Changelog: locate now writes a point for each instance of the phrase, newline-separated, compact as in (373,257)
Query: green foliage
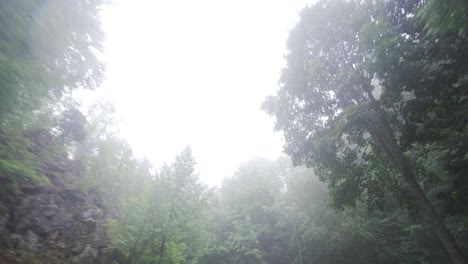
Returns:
(366,82)
(244,217)
(17,164)
(46,49)
(165,221)
(356,71)
(294,224)
(441,17)
(326,106)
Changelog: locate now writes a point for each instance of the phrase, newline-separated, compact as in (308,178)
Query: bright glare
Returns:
(195,73)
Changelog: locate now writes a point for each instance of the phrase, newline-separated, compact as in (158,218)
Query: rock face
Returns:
(52,225)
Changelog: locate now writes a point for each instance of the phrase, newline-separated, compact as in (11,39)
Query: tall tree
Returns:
(46,49)
(251,219)
(184,210)
(166,221)
(354,91)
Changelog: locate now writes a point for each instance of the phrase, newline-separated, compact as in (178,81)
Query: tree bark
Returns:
(384,137)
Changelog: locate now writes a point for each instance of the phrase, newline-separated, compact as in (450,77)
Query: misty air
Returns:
(234,132)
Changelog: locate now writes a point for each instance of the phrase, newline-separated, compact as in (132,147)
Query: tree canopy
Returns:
(364,87)
(46,49)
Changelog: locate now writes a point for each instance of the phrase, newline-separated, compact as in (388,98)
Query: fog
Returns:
(143,132)
(195,73)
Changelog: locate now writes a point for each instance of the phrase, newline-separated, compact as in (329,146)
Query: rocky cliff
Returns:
(52,222)
(52,225)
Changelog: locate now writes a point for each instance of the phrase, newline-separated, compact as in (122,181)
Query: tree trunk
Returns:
(387,142)
(162,247)
(299,248)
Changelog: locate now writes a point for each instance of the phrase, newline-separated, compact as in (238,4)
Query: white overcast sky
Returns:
(195,73)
